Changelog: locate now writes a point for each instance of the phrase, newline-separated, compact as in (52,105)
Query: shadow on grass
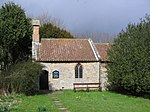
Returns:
(130,94)
(40,92)
(86,91)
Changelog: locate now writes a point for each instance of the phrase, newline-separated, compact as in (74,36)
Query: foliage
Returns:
(1,83)
(4,109)
(47,30)
(22,77)
(42,109)
(9,103)
(102,102)
(15,34)
(130,58)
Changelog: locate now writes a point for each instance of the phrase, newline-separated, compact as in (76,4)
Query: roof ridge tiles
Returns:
(96,54)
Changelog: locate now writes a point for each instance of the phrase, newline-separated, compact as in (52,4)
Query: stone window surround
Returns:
(78,71)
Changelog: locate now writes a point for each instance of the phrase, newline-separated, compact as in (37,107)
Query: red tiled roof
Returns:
(102,49)
(65,50)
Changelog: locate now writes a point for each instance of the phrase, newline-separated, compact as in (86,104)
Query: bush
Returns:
(130,58)
(22,77)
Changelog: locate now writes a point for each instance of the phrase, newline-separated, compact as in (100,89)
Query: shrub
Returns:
(130,58)
(22,77)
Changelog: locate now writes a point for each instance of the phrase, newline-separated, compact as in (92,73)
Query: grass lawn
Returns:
(31,104)
(77,102)
(103,102)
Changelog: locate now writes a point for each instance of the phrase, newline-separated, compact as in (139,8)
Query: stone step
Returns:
(55,99)
(62,108)
(59,104)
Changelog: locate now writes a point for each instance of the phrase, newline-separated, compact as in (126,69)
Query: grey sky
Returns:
(79,16)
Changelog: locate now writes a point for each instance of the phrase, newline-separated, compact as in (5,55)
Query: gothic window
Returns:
(78,71)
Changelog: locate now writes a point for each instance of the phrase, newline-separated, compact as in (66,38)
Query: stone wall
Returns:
(104,77)
(67,74)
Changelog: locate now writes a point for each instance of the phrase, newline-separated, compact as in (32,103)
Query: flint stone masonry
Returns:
(104,77)
(67,74)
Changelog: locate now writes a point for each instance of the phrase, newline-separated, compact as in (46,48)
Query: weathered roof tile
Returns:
(65,50)
(102,49)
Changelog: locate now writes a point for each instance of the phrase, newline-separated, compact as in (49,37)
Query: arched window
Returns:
(55,74)
(78,71)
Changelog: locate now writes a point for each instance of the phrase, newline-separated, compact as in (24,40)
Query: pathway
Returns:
(58,103)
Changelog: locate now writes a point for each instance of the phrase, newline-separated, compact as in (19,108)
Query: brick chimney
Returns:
(36,26)
(35,38)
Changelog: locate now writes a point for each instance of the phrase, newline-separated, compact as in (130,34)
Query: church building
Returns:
(68,61)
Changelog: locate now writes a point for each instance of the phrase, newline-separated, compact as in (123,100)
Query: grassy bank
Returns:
(103,102)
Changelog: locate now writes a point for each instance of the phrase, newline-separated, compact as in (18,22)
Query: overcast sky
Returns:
(109,16)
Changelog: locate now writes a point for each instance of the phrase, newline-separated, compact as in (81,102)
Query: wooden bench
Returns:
(86,86)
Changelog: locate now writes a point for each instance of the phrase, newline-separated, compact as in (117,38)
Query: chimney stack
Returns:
(35,38)
(36,26)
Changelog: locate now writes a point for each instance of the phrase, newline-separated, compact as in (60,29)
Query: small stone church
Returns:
(68,61)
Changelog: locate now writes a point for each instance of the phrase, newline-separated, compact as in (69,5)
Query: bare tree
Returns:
(2,2)
(98,37)
(46,18)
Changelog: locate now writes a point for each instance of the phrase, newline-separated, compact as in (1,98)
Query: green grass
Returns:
(103,102)
(10,102)
(34,103)
(76,102)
